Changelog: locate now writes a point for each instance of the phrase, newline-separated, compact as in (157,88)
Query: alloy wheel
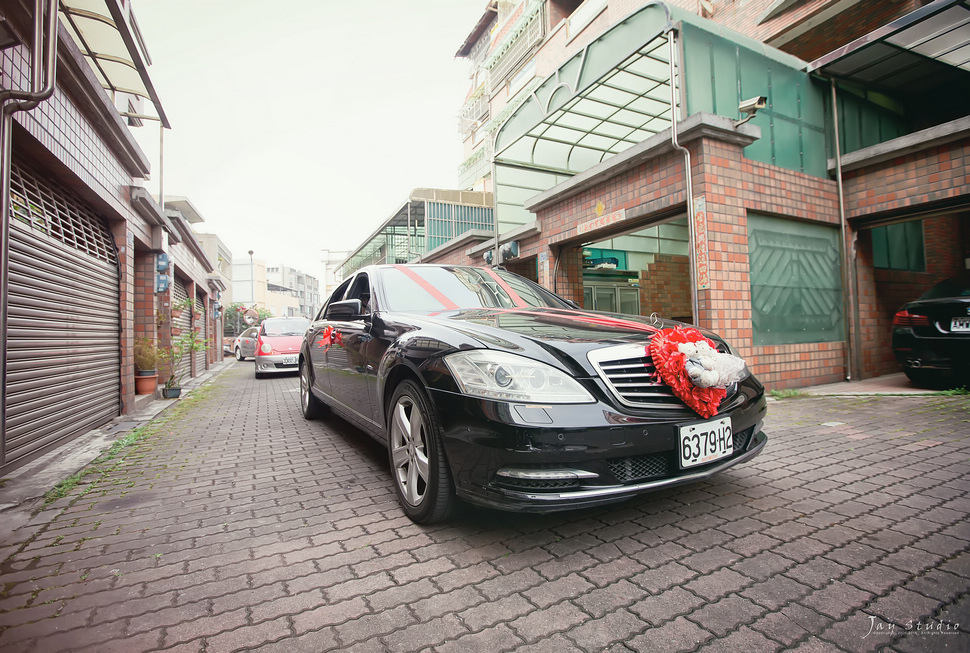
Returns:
(409,453)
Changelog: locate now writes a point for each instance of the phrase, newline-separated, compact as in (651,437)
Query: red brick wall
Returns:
(931,175)
(665,287)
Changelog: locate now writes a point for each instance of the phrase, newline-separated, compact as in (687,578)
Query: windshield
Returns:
(430,289)
(296,326)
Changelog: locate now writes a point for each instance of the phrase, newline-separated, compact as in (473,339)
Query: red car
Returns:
(278,344)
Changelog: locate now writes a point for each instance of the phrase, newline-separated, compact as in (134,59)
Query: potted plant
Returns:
(146,359)
(173,356)
(180,306)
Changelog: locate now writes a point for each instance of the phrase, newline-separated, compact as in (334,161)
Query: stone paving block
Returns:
(287,605)
(837,599)
(331,614)
(606,573)
(555,644)
(492,612)
(718,584)
(558,567)
(424,635)
(659,609)
(499,638)
(855,555)
(791,624)
(727,614)
(550,592)
(418,570)
(441,604)
(615,627)
(776,592)
(939,585)
(902,606)
(763,565)
(599,602)
(679,635)
(248,597)
(657,580)
(261,633)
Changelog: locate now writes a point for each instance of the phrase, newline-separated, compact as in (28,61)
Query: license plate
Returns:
(704,442)
(289,360)
(960,324)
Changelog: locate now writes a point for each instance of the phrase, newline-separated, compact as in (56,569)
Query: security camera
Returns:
(750,107)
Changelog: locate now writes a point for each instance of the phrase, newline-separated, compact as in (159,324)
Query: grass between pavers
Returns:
(785,394)
(113,456)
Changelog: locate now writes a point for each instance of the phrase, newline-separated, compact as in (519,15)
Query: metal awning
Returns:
(927,48)
(609,96)
(107,35)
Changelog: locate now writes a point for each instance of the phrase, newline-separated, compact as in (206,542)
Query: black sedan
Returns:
(931,336)
(485,386)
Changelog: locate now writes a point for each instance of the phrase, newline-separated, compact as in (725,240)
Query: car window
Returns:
(360,289)
(250,332)
(956,287)
(336,296)
(429,289)
(295,326)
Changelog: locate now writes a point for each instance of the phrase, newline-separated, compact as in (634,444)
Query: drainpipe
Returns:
(42,87)
(692,259)
(847,258)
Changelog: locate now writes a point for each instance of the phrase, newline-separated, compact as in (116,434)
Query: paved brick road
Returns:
(234,524)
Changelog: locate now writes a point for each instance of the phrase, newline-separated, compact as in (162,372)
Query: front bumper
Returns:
(559,457)
(272,363)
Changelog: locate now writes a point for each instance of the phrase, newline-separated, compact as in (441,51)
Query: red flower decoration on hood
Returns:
(671,366)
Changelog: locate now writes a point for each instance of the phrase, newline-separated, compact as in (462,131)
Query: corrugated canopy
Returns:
(929,47)
(611,95)
(108,36)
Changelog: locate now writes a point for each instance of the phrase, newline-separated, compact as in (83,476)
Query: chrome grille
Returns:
(631,376)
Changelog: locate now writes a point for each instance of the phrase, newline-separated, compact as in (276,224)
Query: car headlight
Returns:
(266,348)
(507,377)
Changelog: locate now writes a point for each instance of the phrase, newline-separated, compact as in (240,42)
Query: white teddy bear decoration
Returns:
(709,368)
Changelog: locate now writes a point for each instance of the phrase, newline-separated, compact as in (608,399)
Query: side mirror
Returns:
(345,310)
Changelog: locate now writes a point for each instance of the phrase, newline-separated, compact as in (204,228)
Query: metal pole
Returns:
(252,279)
(692,258)
(846,267)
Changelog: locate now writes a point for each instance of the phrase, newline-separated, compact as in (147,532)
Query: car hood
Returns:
(283,344)
(555,335)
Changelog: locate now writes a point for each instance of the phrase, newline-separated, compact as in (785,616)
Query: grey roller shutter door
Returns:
(63,325)
(184,323)
(201,354)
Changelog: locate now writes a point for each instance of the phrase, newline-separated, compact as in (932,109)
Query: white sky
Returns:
(303,125)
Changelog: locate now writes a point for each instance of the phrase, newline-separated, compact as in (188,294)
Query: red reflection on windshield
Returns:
(427,287)
(514,296)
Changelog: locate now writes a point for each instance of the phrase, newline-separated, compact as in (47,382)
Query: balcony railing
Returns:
(526,34)
(478,165)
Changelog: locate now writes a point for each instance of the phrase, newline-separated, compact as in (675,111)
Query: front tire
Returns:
(239,355)
(312,407)
(422,479)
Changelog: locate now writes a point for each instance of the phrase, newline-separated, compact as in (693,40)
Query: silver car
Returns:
(244,346)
